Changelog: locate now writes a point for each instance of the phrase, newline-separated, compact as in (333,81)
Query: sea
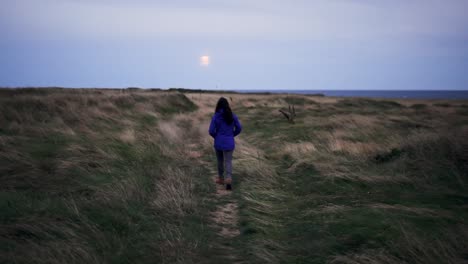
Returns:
(395,94)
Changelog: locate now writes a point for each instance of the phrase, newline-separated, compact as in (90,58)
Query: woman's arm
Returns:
(212,129)
(237,125)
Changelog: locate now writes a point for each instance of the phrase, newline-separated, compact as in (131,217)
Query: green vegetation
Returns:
(124,176)
(298,100)
(89,177)
(354,181)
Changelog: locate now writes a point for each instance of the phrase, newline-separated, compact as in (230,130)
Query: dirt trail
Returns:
(226,216)
(225,219)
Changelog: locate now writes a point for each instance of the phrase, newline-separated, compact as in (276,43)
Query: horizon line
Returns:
(207,89)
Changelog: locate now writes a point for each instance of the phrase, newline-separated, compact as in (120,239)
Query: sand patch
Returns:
(226,217)
(299,150)
(355,148)
(170,130)
(127,136)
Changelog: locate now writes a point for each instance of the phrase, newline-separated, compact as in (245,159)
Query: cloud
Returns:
(322,19)
(101,18)
(288,44)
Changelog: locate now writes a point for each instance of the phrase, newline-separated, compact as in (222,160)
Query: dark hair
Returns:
(227,113)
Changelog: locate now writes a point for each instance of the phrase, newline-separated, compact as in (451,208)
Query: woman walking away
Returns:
(223,128)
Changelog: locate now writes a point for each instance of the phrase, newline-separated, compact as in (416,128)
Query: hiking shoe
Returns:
(219,180)
(228,182)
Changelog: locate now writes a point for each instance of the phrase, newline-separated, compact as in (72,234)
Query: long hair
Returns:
(227,113)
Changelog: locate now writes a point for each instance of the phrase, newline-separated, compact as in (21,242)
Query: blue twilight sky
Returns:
(252,44)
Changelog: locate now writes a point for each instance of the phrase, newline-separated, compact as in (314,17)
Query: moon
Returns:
(205,60)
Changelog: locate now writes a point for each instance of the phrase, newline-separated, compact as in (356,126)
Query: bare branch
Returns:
(285,114)
(290,115)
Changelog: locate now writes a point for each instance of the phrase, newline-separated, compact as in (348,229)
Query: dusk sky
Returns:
(235,44)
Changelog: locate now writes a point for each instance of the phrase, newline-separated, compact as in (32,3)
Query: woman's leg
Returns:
(220,158)
(228,162)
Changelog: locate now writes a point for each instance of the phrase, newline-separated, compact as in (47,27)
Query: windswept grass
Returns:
(120,176)
(354,181)
(89,177)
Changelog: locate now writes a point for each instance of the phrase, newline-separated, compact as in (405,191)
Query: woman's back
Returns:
(224,132)
(224,128)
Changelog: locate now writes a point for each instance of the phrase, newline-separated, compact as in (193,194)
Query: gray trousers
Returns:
(224,159)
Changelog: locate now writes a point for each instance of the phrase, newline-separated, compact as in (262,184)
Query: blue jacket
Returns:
(224,133)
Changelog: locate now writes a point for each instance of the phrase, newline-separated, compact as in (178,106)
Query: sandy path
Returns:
(225,218)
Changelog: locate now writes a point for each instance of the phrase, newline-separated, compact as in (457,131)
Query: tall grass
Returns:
(354,181)
(89,177)
(114,176)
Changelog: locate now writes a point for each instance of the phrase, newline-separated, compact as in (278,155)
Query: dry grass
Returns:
(369,257)
(88,172)
(350,173)
(171,131)
(299,150)
(354,148)
(107,176)
(414,210)
(174,192)
(128,136)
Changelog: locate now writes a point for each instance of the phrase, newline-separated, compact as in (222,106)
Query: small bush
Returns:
(442,105)
(298,101)
(418,106)
(174,103)
(388,156)
(368,103)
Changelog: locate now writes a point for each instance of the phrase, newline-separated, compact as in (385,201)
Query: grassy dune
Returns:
(354,180)
(105,176)
(90,176)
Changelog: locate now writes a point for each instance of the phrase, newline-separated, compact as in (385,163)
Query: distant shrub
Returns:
(442,105)
(148,120)
(185,90)
(315,95)
(24,109)
(22,91)
(462,111)
(174,103)
(418,106)
(141,98)
(407,124)
(298,101)
(364,102)
(433,157)
(441,158)
(393,154)
(123,101)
